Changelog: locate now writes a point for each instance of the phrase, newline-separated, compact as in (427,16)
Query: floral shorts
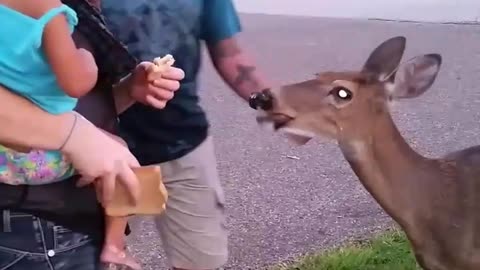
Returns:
(37,167)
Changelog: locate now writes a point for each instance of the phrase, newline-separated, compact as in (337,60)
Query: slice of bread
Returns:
(153,195)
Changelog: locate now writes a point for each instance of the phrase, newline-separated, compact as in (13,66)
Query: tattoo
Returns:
(245,76)
(236,69)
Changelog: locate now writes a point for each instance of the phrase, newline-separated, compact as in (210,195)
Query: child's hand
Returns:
(154,85)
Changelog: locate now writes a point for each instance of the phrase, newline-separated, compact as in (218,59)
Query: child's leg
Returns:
(114,248)
(115,231)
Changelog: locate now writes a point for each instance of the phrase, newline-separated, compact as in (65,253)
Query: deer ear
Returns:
(384,60)
(416,76)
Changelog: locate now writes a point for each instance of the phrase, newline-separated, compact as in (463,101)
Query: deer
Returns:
(435,201)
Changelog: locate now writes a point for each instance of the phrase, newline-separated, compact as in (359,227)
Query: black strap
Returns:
(112,57)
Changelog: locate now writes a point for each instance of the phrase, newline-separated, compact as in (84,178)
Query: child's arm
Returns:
(75,69)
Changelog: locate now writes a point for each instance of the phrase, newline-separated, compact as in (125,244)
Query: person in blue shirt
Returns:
(192,228)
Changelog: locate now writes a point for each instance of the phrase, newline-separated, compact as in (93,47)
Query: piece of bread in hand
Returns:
(167,60)
(153,195)
(162,63)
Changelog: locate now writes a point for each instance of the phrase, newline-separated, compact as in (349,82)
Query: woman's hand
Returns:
(98,157)
(155,88)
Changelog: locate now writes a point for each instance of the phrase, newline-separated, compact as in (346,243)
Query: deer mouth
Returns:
(278,120)
(285,124)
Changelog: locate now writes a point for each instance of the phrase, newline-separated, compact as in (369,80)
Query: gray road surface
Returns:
(410,10)
(279,208)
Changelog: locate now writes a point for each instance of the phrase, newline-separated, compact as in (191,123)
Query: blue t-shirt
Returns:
(23,66)
(152,28)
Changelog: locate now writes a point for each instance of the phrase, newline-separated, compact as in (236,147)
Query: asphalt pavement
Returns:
(281,207)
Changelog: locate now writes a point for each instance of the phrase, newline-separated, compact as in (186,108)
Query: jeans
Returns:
(30,243)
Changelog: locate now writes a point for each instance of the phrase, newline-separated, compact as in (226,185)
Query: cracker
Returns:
(161,63)
(153,195)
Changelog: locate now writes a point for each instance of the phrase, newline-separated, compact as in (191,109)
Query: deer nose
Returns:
(261,100)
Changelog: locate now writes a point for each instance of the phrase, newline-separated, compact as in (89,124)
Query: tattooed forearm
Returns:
(245,76)
(226,50)
(236,68)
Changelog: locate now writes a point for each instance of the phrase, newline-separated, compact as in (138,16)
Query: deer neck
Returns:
(386,165)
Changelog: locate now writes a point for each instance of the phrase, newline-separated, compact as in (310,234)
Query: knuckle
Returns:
(107,169)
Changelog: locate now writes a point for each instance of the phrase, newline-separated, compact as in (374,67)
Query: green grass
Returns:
(387,251)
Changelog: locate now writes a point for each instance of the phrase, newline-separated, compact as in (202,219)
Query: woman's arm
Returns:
(22,123)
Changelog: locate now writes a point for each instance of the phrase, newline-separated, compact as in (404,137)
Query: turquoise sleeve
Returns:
(220,20)
(69,13)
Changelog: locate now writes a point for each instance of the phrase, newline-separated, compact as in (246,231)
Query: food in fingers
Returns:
(162,63)
(167,60)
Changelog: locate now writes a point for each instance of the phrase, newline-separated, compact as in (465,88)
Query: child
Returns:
(39,60)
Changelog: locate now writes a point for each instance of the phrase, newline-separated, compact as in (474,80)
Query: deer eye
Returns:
(341,93)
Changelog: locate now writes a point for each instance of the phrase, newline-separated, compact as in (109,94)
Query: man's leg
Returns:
(192,227)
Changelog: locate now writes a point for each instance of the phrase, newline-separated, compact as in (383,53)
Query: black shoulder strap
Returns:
(113,59)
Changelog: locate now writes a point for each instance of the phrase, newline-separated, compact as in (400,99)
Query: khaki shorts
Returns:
(193,226)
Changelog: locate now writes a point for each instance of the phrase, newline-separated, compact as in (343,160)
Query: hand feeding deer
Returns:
(435,201)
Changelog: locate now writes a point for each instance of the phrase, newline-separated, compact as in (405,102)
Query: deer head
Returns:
(345,105)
